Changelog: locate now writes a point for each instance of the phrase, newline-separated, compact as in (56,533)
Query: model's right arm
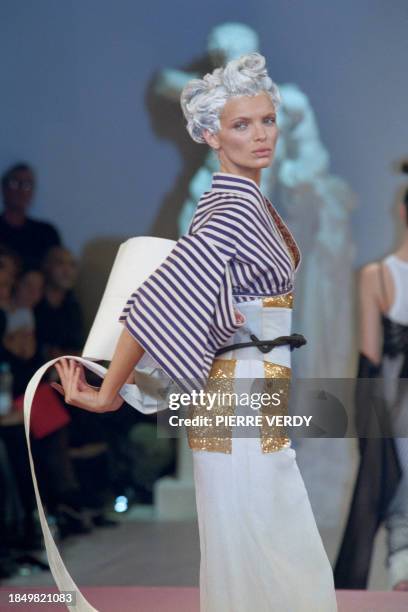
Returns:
(78,393)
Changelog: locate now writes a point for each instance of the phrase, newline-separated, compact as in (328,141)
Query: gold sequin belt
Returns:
(221,381)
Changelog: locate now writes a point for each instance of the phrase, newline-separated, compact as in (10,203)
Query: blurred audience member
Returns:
(29,238)
(10,262)
(20,326)
(30,289)
(18,346)
(50,436)
(60,332)
(58,315)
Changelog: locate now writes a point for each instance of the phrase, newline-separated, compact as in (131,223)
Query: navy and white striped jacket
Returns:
(237,248)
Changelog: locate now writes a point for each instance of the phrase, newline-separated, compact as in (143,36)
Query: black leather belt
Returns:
(294,340)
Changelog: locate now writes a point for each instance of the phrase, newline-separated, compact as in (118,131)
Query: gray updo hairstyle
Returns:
(203,99)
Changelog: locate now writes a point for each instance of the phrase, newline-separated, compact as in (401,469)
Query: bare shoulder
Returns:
(369,275)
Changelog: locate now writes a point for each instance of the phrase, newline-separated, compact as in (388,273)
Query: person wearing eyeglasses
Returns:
(30,238)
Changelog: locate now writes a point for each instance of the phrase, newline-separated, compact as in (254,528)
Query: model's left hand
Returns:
(78,392)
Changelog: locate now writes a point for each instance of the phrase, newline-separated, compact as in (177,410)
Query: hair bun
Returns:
(254,63)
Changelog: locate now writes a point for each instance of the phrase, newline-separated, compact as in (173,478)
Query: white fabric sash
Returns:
(132,395)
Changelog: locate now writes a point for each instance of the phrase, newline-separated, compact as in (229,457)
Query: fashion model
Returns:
(381,490)
(230,277)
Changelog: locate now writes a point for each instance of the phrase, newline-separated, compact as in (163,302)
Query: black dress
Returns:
(380,471)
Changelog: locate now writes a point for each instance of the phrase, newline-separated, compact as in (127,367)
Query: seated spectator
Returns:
(18,343)
(18,347)
(58,315)
(29,238)
(28,293)
(60,332)
(20,326)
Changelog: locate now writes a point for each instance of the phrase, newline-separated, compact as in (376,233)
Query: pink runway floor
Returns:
(171,599)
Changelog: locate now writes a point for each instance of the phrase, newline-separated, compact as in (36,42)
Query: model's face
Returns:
(247,137)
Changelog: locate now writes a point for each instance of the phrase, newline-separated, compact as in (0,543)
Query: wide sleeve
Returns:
(184,311)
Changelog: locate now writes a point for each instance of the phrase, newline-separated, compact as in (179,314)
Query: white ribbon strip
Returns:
(132,395)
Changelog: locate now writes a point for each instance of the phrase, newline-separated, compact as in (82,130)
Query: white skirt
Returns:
(260,547)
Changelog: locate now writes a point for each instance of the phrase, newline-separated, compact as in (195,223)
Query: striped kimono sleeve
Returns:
(184,311)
